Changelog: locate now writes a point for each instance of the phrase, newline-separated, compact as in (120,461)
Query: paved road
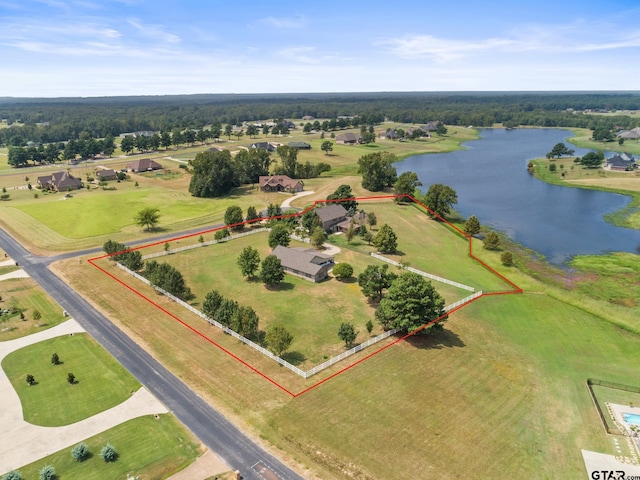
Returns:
(213,429)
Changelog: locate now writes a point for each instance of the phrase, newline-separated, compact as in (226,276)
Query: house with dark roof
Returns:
(332,215)
(268,146)
(299,145)
(144,165)
(348,138)
(305,263)
(60,181)
(621,161)
(106,175)
(429,127)
(280,183)
(390,134)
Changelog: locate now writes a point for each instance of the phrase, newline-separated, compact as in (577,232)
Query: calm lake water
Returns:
(492,183)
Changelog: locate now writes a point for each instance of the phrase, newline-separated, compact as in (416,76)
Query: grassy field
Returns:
(101,382)
(583,139)
(149,447)
(28,296)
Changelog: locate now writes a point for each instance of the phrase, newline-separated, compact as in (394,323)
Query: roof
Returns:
(305,260)
(347,137)
(264,145)
(331,212)
(145,164)
(299,144)
(275,180)
(60,180)
(621,160)
(107,172)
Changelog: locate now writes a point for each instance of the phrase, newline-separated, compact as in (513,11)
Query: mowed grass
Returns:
(149,447)
(29,297)
(101,382)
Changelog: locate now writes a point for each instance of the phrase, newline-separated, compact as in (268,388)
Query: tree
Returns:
(377,170)
(386,241)
(30,379)
(472,226)
(369,326)
(278,339)
(271,271)
(343,271)
(507,259)
(47,473)
(279,235)
(439,200)
(374,280)
(318,237)
(602,134)
(211,304)
(288,160)
(214,174)
(126,145)
(252,215)
(226,311)
(559,150)
(80,452)
(252,130)
(252,164)
(222,233)
(347,333)
(492,241)
(344,192)
(109,453)
(326,147)
(441,129)
(148,217)
(410,303)
(248,261)
(406,184)
(55,359)
(71,378)
(592,159)
(350,233)
(552,167)
(245,321)
(233,218)
(228,130)
(372,220)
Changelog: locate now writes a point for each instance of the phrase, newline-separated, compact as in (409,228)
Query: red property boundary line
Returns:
(515,290)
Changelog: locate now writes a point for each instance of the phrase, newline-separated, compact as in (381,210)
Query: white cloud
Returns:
(285,22)
(153,31)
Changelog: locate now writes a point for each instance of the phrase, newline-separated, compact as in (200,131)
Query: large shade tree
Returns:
(377,170)
(439,200)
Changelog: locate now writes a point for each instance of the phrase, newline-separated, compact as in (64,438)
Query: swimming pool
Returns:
(632,418)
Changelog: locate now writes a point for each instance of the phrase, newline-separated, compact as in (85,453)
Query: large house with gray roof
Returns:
(305,263)
(60,181)
(331,216)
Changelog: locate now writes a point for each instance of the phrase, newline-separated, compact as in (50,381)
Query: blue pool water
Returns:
(632,418)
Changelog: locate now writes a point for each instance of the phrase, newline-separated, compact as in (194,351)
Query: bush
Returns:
(13,475)
(30,379)
(342,271)
(507,259)
(55,359)
(80,452)
(220,234)
(71,378)
(47,473)
(492,241)
(108,453)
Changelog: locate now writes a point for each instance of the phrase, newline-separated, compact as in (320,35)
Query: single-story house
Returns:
(621,161)
(632,134)
(300,145)
(429,127)
(144,165)
(106,175)
(268,146)
(308,117)
(390,135)
(280,183)
(303,262)
(332,215)
(60,181)
(348,138)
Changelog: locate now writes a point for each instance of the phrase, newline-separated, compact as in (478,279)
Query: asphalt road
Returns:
(213,429)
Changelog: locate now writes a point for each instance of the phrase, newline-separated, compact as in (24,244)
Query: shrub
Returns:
(55,359)
(507,259)
(30,379)
(80,452)
(492,241)
(220,234)
(342,271)
(108,453)
(13,475)
(47,473)
(71,378)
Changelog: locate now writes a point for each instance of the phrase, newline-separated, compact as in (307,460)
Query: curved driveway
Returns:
(213,429)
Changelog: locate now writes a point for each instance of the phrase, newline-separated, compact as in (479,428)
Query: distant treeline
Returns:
(54,120)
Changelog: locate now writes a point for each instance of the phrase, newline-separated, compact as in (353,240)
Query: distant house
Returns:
(268,146)
(429,127)
(307,117)
(632,134)
(303,262)
(106,175)
(144,165)
(348,138)
(280,183)
(621,161)
(300,145)
(60,181)
(331,215)
(390,134)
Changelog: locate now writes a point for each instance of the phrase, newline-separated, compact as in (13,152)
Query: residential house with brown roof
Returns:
(60,181)
(144,165)
(106,175)
(332,215)
(305,263)
(348,138)
(280,183)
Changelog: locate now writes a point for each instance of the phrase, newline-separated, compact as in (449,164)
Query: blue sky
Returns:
(53,48)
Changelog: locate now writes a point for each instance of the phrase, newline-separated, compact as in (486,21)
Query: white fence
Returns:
(210,242)
(424,274)
(263,350)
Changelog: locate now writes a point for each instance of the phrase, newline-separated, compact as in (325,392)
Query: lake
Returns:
(492,183)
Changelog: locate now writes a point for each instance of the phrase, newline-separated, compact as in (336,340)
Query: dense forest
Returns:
(54,120)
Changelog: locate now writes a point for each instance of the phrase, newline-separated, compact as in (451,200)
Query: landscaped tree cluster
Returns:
(560,150)
(591,159)
(377,170)
(132,259)
(239,318)
(248,262)
(168,278)
(374,280)
(439,200)
(406,184)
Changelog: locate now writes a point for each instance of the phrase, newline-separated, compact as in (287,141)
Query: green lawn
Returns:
(102,382)
(27,295)
(149,447)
